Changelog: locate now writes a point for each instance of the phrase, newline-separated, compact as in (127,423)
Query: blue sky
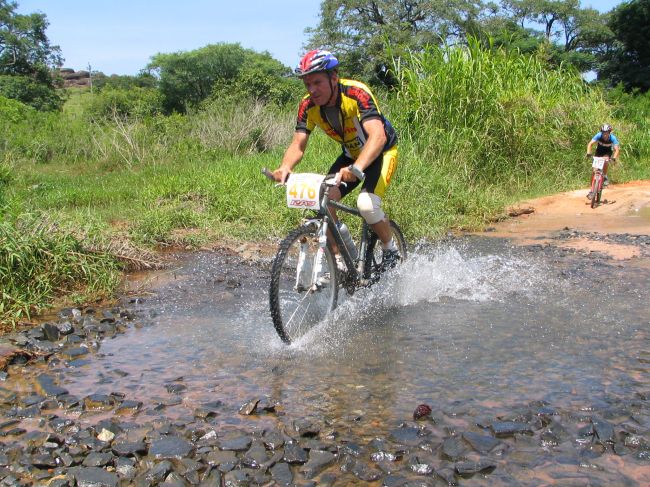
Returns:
(120,36)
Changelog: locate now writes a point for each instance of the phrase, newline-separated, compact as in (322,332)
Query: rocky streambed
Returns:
(479,365)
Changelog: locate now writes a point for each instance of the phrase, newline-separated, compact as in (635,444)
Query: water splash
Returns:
(429,275)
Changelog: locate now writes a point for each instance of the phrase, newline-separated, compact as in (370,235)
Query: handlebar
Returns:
(329,180)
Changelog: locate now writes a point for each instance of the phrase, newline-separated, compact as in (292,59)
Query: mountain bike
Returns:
(597,179)
(306,275)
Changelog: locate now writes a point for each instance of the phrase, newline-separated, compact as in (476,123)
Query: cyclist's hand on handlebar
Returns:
(587,155)
(281,174)
(346,175)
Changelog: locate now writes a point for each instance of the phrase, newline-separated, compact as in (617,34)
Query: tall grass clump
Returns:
(493,115)
(481,126)
(40,263)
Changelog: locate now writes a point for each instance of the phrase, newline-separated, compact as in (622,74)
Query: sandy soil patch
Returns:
(625,210)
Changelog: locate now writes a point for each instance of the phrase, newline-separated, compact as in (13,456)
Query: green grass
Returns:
(478,130)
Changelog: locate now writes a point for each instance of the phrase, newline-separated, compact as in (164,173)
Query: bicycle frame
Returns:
(325,217)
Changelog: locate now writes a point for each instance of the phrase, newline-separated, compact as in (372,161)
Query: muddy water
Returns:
(474,328)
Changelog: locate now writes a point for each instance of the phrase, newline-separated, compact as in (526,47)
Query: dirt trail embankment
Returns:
(567,220)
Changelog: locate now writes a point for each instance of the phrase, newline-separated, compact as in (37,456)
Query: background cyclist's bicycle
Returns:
(597,179)
(306,275)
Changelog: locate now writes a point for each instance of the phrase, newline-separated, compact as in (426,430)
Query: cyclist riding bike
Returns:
(347,111)
(606,146)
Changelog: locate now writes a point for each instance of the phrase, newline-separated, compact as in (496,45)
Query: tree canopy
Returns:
(359,30)
(27,56)
(627,61)
(187,78)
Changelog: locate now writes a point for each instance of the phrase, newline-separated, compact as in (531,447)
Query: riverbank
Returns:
(566,220)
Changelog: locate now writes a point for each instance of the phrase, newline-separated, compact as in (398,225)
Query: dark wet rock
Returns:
(73,353)
(249,408)
(43,460)
(51,332)
(47,387)
(219,457)
(128,407)
(365,472)
(406,436)
(453,449)
(318,460)
(448,475)
(480,443)
(96,459)
(129,448)
(30,412)
(256,456)
(394,481)
(467,468)
(98,402)
(170,447)
(159,472)
(94,477)
(175,388)
(295,454)
(604,430)
(239,443)
(306,428)
(68,401)
(212,478)
(281,474)
(273,440)
(503,429)
(422,411)
(64,328)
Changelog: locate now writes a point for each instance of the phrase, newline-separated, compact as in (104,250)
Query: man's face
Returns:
(319,87)
(605,135)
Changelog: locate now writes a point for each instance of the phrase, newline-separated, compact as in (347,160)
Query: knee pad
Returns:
(369,205)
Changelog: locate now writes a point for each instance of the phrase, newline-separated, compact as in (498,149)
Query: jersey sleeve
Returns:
(614,139)
(304,123)
(597,137)
(365,101)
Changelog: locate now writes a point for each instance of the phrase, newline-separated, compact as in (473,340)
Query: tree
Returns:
(628,60)
(27,56)
(187,78)
(24,47)
(358,30)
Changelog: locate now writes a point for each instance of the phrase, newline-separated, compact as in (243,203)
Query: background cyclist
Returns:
(606,146)
(346,110)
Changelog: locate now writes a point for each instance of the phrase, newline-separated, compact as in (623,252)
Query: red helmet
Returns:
(316,61)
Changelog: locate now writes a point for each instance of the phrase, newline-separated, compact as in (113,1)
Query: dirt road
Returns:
(624,211)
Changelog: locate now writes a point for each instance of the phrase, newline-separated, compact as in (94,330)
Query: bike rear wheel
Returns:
(374,253)
(297,303)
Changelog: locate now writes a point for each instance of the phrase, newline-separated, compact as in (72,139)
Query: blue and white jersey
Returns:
(612,139)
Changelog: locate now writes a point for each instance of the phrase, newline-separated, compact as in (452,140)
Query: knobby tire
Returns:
(295,311)
(595,193)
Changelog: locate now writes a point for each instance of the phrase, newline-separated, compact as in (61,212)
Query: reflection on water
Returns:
(472,328)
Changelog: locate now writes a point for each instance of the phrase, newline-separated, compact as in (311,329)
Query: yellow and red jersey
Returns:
(356,104)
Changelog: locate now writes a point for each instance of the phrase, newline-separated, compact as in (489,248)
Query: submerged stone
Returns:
(170,447)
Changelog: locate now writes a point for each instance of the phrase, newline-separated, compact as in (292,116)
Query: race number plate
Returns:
(599,163)
(303,190)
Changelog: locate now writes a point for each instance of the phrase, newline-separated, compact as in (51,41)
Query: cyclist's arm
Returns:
(292,156)
(616,149)
(371,150)
(591,143)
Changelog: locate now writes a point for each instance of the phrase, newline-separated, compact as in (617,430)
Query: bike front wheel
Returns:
(301,297)
(374,254)
(595,192)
